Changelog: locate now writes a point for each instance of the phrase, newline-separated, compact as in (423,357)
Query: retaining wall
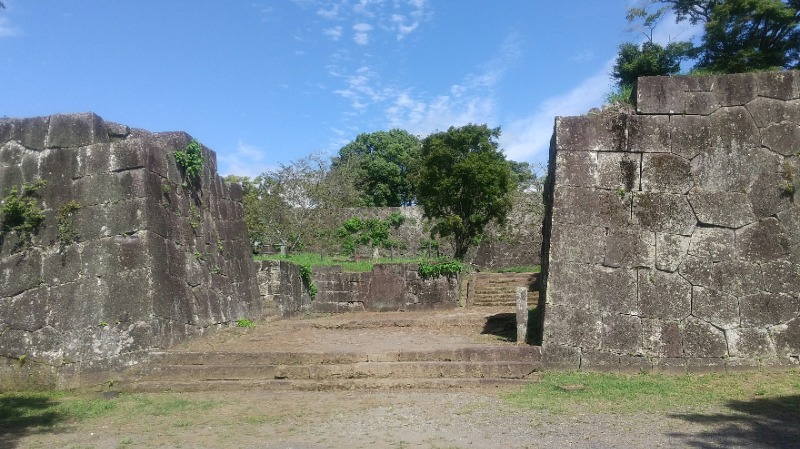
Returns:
(143,261)
(672,236)
(388,287)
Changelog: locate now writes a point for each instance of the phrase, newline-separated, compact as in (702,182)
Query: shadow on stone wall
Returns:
(769,423)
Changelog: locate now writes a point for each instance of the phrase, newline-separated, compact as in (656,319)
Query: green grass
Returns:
(641,393)
(518,269)
(315,260)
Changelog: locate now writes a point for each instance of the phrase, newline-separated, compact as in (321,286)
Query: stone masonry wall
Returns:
(142,262)
(672,236)
(388,287)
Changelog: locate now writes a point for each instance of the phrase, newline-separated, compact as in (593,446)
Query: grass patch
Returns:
(626,394)
(315,260)
(519,269)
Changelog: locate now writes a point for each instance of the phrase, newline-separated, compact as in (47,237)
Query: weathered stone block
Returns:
(666,173)
(600,361)
(734,128)
(787,337)
(556,356)
(590,207)
(781,276)
(665,296)
(618,171)
(75,130)
(782,138)
(701,103)
(715,244)
(621,333)
(648,133)
(612,290)
(750,343)
(780,85)
(735,90)
(19,272)
(664,213)
(768,309)
(591,133)
(738,278)
(670,251)
(576,243)
(766,111)
(31,132)
(715,307)
(573,327)
(701,339)
(630,249)
(763,241)
(576,168)
(26,311)
(570,284)
(690,135)
(728,209)
(661,95)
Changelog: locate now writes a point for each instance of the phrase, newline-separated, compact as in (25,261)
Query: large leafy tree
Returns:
(744,35)
(380,163)
(463,183)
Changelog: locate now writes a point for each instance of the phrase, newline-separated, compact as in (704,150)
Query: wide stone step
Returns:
(378,370)
(482,353)
(320,385)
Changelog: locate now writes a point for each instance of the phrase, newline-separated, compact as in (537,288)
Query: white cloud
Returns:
(361,36)
(331,13)
(528,138)
(7,29)
(334,33)
(245,160)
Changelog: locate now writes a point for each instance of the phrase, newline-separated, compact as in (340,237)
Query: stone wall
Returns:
(672,236)
(388,287)
(142,261)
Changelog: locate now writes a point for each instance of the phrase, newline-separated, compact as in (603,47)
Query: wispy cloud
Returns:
(334,33)
(528,138)
(7,29)
(361,36)
(245,160)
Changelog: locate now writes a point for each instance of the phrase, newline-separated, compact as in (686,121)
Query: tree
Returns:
(743,35)
(381,162)
(463,183)
(297,205)
(649,58)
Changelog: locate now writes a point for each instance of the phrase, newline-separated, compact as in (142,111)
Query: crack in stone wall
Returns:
(672,236)
(153,263)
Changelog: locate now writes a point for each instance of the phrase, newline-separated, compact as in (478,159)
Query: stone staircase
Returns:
(499,289)
(443,349)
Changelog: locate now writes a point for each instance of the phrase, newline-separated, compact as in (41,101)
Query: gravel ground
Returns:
(404,419)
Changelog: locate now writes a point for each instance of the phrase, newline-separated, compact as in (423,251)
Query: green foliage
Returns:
(194,217)
(244,322)
(381,163)
(376,232)
(744,35)
(190,160)
(66,234)
(20,210)
(440,268)
(305,277)
(334,261)
(647,59)
(464,182)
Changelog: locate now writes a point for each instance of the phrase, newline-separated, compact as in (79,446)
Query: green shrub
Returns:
(21,211)
(191,160)
(244,322)
(440,268)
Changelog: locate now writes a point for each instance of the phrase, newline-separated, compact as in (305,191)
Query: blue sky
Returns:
(268,82)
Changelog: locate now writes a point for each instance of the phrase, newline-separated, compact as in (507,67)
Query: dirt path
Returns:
(390,420)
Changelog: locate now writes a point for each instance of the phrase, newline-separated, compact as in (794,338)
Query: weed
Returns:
(198,255)
(21,211)
(220,248)
(194,217)
(190,160)
(103,324)
(66,234)
(246,323)
(216,269)
(789,180)
(21,359)
(440,268)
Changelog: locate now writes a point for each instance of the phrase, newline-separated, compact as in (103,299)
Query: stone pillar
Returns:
(522,314)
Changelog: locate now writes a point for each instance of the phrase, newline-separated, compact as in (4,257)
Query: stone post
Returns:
(522,314)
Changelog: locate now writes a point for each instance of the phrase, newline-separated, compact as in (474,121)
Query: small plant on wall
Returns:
(20,210)
(66,233)
(190,161)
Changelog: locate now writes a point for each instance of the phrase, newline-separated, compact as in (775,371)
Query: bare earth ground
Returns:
(447,419)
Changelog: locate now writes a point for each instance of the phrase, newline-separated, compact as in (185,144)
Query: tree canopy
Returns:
(381,162)
(463,183)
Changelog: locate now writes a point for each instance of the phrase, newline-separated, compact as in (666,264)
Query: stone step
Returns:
(322,385)
(373,370)
(481,353)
